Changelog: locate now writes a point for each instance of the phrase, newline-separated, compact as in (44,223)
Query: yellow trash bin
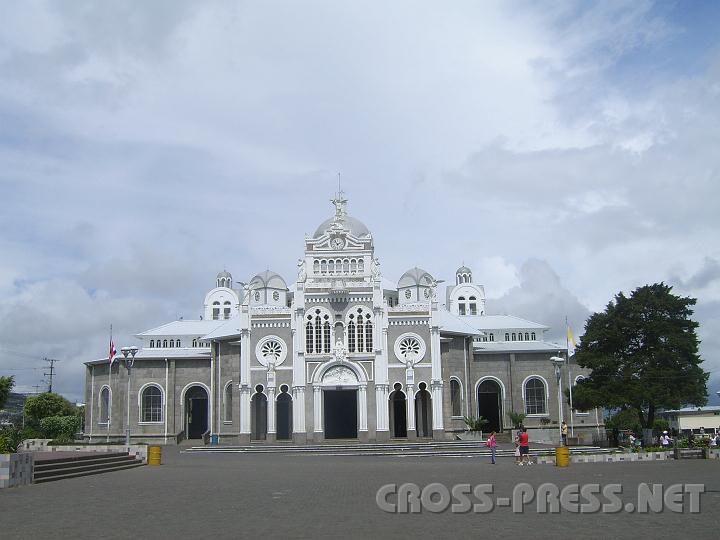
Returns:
(562,456)
(154,455)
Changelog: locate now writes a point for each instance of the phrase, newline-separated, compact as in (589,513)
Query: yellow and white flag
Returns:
(571,344)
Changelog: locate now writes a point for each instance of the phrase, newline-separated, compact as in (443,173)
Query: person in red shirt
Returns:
(524,447)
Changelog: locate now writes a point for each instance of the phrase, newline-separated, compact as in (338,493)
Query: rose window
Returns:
(409,347)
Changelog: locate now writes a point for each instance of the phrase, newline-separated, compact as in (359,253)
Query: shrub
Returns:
(475,424)
(517,418)
(46,405)
(10,438)
(55,427)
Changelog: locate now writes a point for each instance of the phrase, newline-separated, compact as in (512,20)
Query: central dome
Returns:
(341,218)
(356,227)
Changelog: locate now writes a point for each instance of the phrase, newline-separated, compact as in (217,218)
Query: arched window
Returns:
(368,334)
(152,343)
(226,310)
(520,338)
(331,266)
(361,265)
(309,336)
(323,266)
(346,266)
(216,311)
(165,344)
(353,266)
(351,335)
(318,333)
(455,397)
(492,337)
(533,336)
(177,343)
(194,342)
(535,402)
(527,336)
(316,266)
(172,343)
(507,336)
(228,402)
(105,405)
(473,305)
(461,305)
(360,335)
(513,336)
(151,404)
(326,335)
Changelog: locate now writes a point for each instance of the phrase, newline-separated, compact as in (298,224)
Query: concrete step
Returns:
(69,473)
(57,464)
(413,449)
(46,470)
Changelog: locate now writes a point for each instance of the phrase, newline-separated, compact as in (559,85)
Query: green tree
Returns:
(643,355)
(45,405)
(6,386)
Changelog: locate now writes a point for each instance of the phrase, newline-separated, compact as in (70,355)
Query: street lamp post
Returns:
(557,363)
(129,354)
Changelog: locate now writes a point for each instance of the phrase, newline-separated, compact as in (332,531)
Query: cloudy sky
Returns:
(564,151)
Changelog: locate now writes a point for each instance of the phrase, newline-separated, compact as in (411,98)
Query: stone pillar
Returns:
(362,408)
(271,412)
(299,429)
(381,406)
(437,409)
(411,409)
(245,393)
(317,411)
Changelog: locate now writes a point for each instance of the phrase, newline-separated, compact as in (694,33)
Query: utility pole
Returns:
(51,362)
(37,388)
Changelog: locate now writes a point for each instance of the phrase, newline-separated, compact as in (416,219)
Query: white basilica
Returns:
(341,353)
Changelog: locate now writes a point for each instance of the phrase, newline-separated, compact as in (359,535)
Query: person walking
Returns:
(524,447)
(491,443)
(564,431)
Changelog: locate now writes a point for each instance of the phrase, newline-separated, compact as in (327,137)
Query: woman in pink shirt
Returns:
(491,443)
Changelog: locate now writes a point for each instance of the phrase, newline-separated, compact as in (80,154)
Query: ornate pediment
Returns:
(339,375)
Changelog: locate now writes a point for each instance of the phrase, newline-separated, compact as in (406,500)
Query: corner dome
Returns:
(224,274)
(356,227)
(414,277)
(463,270)
(268,279)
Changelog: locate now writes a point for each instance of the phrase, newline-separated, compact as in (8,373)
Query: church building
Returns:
(341,353)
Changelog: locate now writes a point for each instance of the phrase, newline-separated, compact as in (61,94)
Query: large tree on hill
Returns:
(6,386)
(643,355)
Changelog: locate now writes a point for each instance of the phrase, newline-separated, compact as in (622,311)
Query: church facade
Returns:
(343,353)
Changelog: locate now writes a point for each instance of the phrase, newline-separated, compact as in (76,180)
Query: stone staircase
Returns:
(59,467)
(400,449)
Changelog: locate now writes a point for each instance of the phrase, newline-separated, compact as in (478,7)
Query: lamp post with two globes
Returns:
(129,355)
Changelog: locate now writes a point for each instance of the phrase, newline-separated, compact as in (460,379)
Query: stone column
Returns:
(317,411)
(299,429)
(381,406)
(362,408)
(437,409)
(411,408)
(271,412)
(245,393)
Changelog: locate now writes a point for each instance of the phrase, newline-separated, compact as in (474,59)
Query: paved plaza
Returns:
(236,495)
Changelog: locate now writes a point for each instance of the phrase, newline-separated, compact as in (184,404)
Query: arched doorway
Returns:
(283,414)
(489,398)
(423,412)
(398,412)
(196,412)
(340,403)
(258,415)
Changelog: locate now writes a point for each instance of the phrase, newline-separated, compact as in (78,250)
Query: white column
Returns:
(271,409)
(382,407)
(362,407)
(437,409)
(299,409)
(244,409)
(317,409)
(214,349)
(410,407)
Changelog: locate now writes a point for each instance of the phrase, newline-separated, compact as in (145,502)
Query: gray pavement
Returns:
(238,495)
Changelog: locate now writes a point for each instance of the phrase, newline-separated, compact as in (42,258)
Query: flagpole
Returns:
(570,382)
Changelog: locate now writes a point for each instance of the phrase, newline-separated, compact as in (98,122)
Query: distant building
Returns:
(343,353)
(694,419)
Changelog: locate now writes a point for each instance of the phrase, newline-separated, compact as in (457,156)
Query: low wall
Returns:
(140,451)
(16,470)
(609,458)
